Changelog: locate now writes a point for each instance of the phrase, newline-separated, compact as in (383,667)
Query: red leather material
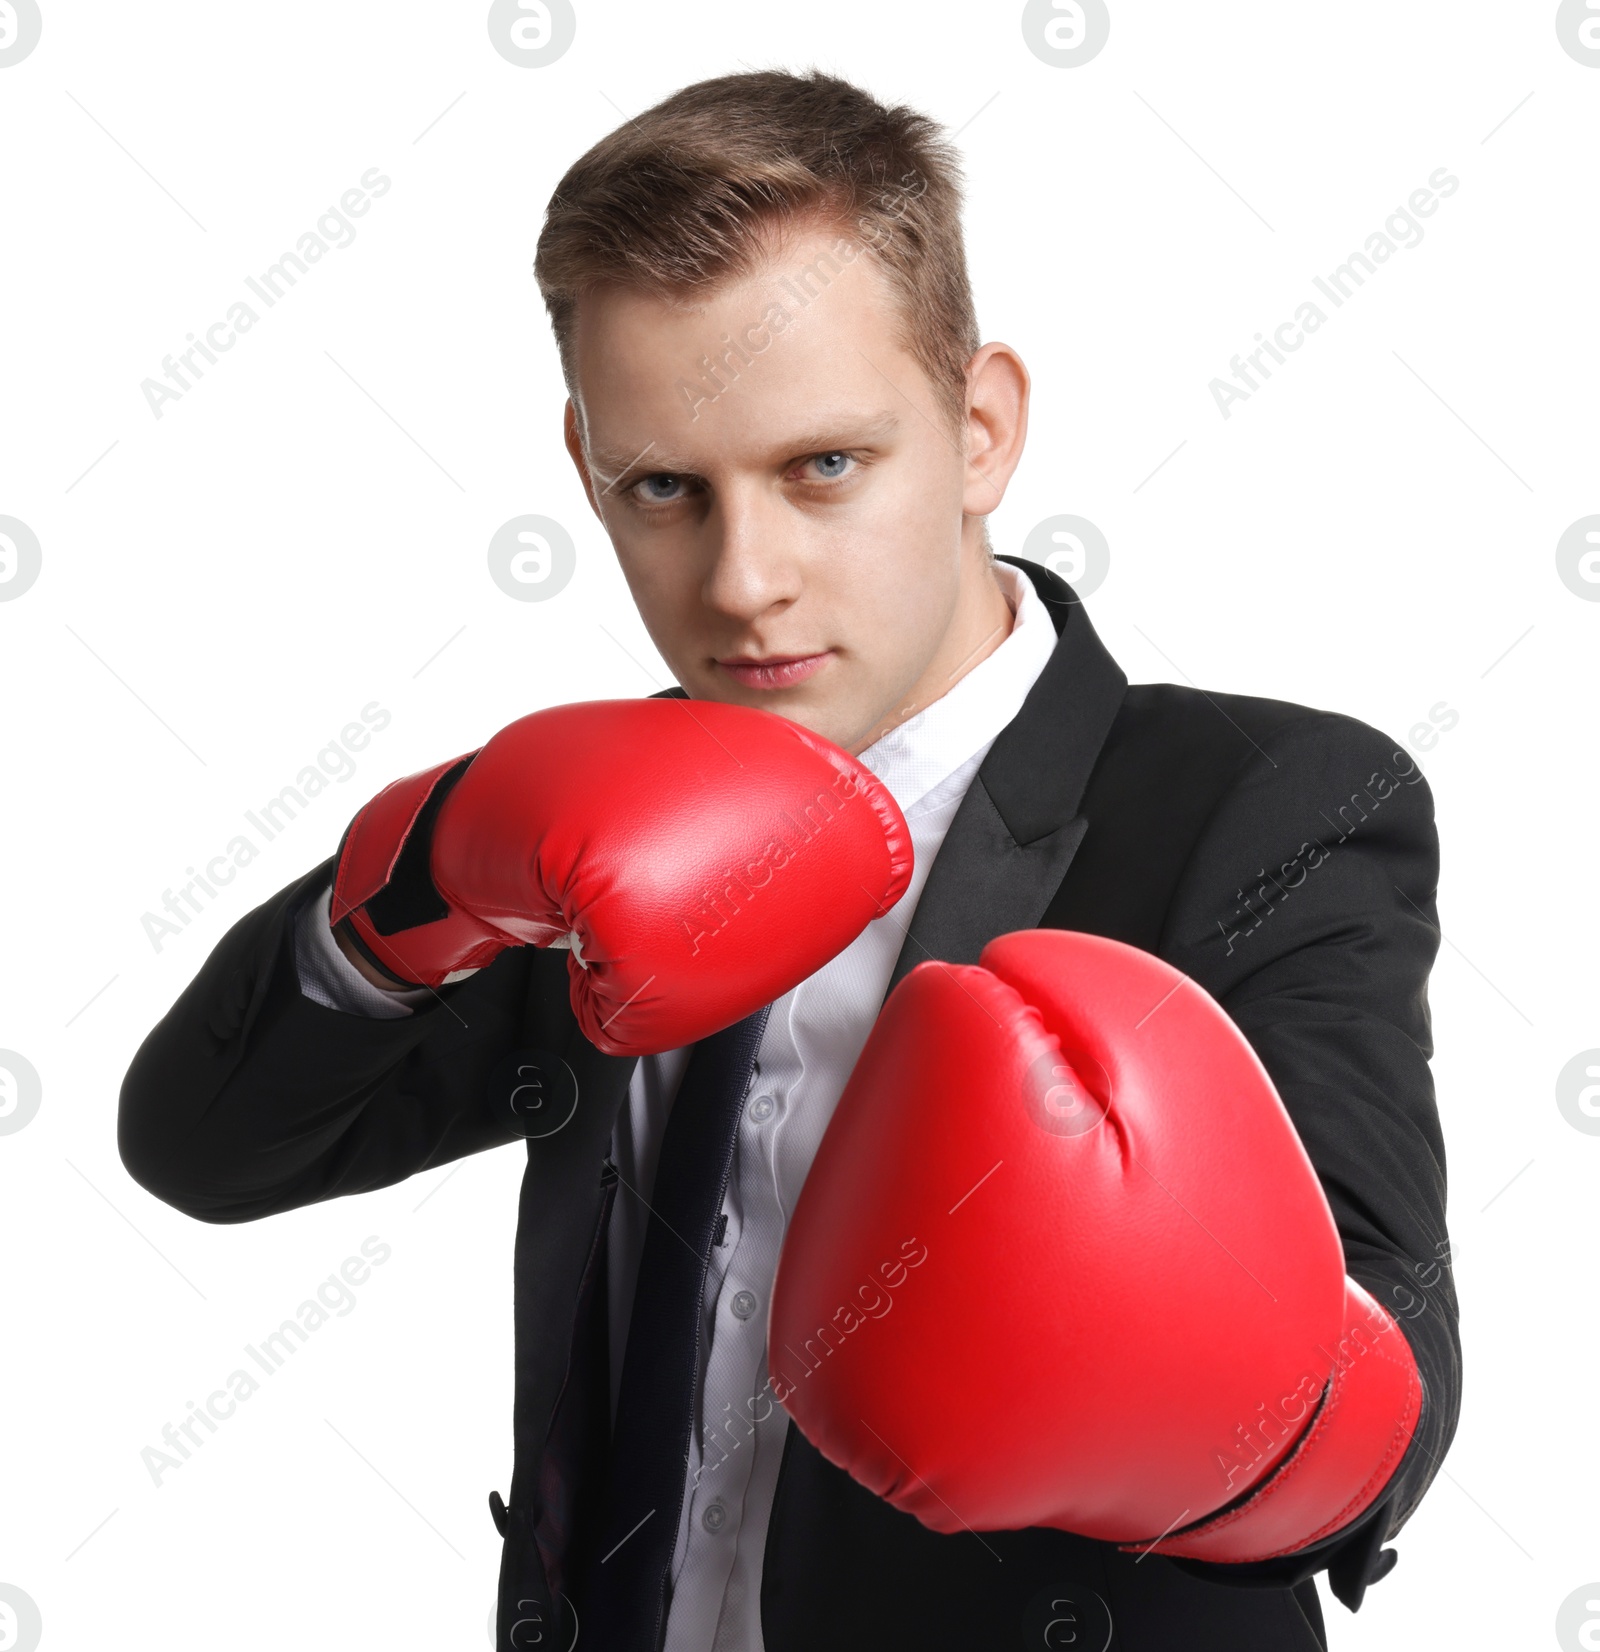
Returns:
(376,837)
(708,857)
(1059,1246)
(1355,1444)
(429,953)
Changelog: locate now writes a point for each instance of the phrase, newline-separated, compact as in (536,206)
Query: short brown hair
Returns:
(680,198)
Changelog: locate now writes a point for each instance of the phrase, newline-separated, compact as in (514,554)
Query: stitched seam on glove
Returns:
(1398,1441)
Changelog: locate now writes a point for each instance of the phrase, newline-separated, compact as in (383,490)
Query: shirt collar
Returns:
(914,757)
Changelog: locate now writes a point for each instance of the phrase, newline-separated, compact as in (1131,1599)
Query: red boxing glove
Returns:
(699,858)
(1061,1260)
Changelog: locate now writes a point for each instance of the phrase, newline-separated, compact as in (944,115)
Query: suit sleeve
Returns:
(1307,909)
(327,976)
(249,1097)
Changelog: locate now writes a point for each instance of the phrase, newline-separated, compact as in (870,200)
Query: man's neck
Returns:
(983,621)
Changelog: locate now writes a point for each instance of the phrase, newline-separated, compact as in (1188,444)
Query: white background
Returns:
(224,587)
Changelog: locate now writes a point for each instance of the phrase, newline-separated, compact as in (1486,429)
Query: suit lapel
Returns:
(1018,826)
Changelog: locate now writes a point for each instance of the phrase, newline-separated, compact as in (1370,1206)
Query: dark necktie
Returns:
(626,1593)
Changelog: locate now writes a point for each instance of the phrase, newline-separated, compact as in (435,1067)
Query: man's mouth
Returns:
(773,670)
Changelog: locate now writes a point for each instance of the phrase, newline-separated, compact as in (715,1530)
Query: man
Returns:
(785,421)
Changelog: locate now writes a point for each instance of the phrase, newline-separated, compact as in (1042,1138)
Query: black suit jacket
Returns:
(1285,858)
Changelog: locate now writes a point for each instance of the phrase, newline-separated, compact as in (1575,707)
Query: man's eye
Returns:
(660,489)
(831,466)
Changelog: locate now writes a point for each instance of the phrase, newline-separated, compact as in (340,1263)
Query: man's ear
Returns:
(574,439)
(997,425)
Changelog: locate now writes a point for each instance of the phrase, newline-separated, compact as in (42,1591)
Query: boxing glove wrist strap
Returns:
(384,896)
(1365,1414)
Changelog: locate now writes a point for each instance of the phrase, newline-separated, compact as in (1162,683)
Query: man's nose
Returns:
(753,563)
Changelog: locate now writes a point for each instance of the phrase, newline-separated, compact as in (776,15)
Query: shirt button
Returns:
(744,1304)
(715,1517)
(761,1108)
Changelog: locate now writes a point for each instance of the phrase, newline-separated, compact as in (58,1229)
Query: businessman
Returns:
(1066,1040)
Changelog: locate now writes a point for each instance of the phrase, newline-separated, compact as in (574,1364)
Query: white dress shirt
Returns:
(812,1039)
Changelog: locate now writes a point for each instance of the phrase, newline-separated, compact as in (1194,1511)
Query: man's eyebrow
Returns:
(847,431)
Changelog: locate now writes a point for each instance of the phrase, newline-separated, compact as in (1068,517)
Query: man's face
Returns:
(815,509)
